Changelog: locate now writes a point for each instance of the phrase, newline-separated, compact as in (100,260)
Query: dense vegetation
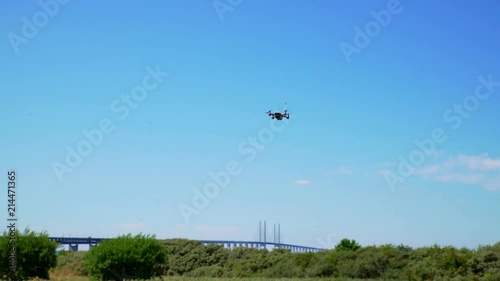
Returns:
(34,255)
(144,257)
(190,258)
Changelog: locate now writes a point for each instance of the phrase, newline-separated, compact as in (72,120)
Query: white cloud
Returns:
(466,169)
(461,178)
(427,171)
(481,162)
(302,182)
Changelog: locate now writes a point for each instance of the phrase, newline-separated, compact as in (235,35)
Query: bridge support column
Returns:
(73,247)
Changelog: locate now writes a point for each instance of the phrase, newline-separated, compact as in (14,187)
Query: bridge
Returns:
(73,243)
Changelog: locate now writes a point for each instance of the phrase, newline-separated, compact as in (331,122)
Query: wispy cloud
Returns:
(130,225)
(481,162)
(302,182)
(466,169)
(461,178)
(428,171)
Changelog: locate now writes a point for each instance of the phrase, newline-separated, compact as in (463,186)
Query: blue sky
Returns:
(322,174)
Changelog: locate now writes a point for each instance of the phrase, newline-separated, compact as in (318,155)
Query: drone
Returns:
(278,115)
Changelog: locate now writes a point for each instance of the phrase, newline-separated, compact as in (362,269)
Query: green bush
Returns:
(36,254)
(182,258)
(190,258)
(246,262)
(347,245)
(323,265)
(140,257)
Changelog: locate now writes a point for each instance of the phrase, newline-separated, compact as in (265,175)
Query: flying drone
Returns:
(278,115)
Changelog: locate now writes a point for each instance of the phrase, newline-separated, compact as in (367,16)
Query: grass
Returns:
(82,278)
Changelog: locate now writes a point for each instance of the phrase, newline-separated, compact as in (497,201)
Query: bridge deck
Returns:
(93,241)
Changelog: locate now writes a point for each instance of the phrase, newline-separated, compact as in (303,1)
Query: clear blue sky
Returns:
(351,120)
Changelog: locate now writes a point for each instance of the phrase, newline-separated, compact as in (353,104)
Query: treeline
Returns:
(347,260)
(143,257)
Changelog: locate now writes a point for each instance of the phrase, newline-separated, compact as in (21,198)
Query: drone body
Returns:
(278,115)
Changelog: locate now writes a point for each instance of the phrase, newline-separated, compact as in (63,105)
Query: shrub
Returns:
(36,254)
(139,257)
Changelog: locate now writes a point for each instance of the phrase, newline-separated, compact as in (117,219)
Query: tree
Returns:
(347,245)
(180,252)
(139,257)
(34,256)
